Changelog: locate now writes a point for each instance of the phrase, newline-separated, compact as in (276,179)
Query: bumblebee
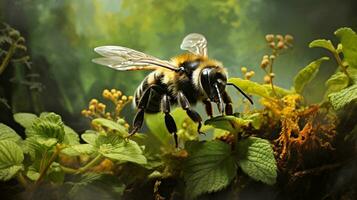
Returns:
(184,81)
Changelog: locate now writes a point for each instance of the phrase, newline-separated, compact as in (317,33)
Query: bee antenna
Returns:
(241,91)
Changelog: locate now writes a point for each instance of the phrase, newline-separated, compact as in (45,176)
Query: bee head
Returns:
(213,81)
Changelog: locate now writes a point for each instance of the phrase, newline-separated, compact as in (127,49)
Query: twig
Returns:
(339,62)
(22,180)
(7,58)
(316,170)
(84,168)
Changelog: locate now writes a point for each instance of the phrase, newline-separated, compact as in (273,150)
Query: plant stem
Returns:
(22,180)
(68,170)
(7,58)
(270,72)
(84,168)
(52,159)
(90,164)
(339,62)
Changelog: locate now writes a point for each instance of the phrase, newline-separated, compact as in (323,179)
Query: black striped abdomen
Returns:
(154,102)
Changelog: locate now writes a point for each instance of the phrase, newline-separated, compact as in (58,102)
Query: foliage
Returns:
(256,158)
(209,168)
(307,74)
(257,145)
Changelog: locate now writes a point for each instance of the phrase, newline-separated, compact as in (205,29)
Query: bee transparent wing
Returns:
(195,43)
(126,59)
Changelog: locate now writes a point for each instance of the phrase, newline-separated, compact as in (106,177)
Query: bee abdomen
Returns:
(153,104)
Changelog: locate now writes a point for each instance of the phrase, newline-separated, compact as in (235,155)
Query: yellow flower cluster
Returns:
(247,75)
(97,109)
(117,98)
(277,42)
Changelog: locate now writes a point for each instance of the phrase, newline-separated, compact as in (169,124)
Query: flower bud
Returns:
(249,75)
(105,93)
(272,75)
(280,45)
(288,38)
(119,93)
(124,98)
(14,33)
(101,107)
(91,107)
(272,57)
(272,45)
(267,79)
(264,63)
(279,37)
(115,95)
(93,102)
(243,70)
(269,38)
(84,112)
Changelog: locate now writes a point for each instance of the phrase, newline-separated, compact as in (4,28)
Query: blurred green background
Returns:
(61,34)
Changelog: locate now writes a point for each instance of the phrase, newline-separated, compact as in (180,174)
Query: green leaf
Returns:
(278,90)
(263,90)
(228,122)
(327,44)
(336,82)
(32,175)
(123,151)
(250,87)
(90,137)
(156,125)
(343,97)
(25,119)
(48,128)
(7,133)
(210,168)
(11,158)
(34,148)
(79,149)
(308,73)
(256,158)
(348,40)
(8,173)
(111,125)
(70,136)
(55,173)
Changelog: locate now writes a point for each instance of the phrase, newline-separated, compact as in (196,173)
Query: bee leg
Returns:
(185,104)
(169,120)
(208,107)
(228,101)
(139,117)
